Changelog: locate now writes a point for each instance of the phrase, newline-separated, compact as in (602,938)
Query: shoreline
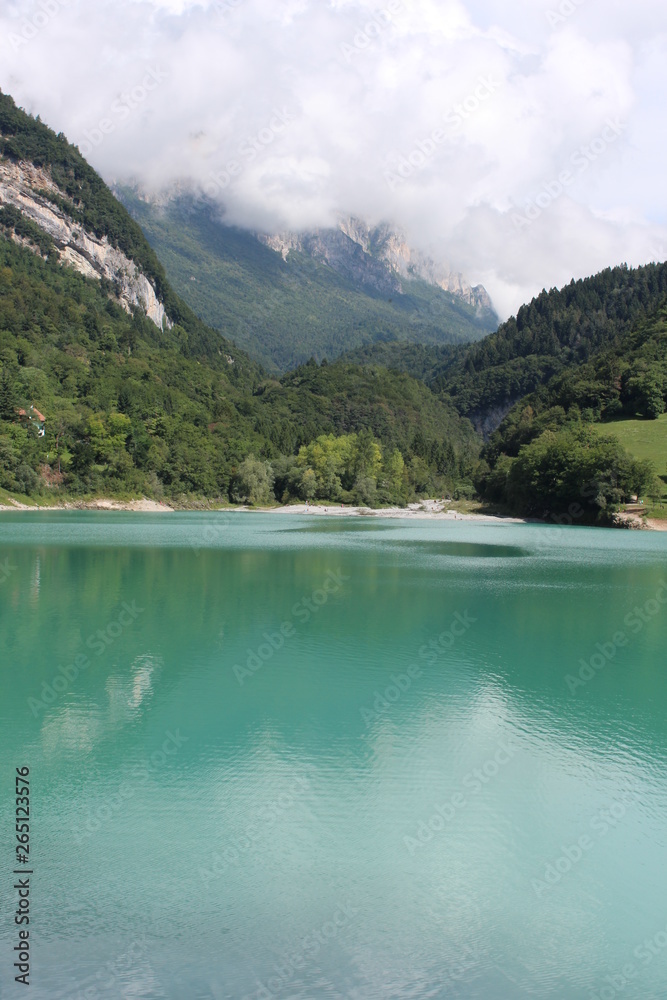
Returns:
(148,506)
(430,510)
(426,509)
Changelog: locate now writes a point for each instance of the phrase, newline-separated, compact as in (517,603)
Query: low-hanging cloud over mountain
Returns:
(525,141)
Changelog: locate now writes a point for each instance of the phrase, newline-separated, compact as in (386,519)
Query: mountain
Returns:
(109,382)
(286,298)
(379,258)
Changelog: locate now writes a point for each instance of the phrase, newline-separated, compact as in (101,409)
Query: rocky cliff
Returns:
(379,257)
(32,191)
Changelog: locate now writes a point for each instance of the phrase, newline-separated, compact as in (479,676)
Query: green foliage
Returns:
(349,466)
(126,409)
(254,482)
(627,379)
(326,466)
(393,481)
(400,412)
(646,395)
(573,471)
(644,439)
(426,362)
(17,456)
(8,397)
(13,221)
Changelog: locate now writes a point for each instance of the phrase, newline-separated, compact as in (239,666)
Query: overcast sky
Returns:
(522,140)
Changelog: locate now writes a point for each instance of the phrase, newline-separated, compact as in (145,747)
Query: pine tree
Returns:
(8,398)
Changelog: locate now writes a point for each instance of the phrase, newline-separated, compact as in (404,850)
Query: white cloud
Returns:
(292,110)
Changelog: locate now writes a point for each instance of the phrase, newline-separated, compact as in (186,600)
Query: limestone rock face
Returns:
(379,257)
(22,185)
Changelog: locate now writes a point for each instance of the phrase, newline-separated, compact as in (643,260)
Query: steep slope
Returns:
(126,408)
(29,191)
(65,208)
(285,299)
(380,258)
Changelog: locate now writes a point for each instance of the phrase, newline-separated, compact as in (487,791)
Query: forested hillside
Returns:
(559,378)
(557,330)
(126,406)
(134,410)
(285,311)
(396,409)
(426,362)
(547,450)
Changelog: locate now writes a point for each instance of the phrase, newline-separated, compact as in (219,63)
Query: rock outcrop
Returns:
(25,186)
(379,257)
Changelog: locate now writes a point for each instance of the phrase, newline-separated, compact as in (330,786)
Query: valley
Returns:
(335,366)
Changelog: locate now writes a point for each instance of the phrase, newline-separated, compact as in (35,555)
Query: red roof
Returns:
(33,413)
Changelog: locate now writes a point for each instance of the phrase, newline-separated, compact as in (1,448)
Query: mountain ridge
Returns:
(385,246)
(285,299)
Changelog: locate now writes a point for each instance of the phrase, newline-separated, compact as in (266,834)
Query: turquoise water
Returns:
(286,757)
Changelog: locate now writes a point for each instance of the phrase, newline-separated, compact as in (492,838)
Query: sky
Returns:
(522,141)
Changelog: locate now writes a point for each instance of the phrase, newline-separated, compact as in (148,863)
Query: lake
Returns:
(299,757)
